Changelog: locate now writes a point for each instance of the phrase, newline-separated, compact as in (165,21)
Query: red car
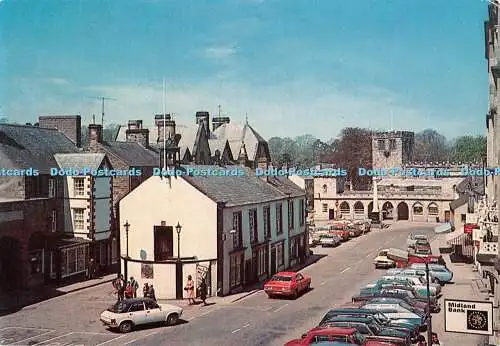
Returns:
(289,284)
(332,334)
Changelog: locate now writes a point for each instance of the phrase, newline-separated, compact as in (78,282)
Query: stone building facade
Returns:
(392,149)
(69,125)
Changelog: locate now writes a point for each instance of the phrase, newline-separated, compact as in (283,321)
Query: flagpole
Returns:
(164,128)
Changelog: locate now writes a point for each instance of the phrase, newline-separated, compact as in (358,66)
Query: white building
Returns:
(87,212)
(235,230)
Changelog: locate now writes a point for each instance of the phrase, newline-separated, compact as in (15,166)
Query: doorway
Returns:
(273,261)
(331,214)
(403,213)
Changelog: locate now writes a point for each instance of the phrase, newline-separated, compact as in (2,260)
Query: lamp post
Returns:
(429,318)
(178,229)
(127,226)
(178,265)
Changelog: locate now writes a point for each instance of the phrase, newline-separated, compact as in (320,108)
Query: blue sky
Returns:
(295,66)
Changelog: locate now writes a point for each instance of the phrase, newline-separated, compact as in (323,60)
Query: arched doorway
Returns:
(10,263)
(370,209)
(403,213)
(387,211)
(345,209)
(359,208)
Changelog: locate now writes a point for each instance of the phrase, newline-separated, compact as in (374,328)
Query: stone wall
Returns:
(69,125)
(395,155)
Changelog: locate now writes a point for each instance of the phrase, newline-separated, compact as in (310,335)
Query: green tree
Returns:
(468,149)
(352,150)
(431,146)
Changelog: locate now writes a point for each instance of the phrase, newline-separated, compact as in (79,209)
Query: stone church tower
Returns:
(392,149)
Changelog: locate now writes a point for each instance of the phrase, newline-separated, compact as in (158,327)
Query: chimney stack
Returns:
(203,117)
(219,121)
(135,133)
(95,136)
(168,125)
(69,125)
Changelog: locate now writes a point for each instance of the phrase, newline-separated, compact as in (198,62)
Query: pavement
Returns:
(464,286)
(245,319)
(16,300)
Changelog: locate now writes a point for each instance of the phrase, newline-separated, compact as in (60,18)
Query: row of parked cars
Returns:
(393,310)
(338,232)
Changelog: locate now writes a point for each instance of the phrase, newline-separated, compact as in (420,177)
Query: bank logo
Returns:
(477,320)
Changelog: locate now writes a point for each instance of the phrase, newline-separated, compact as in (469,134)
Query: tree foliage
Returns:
(431,146)
(468,149)
(353,150)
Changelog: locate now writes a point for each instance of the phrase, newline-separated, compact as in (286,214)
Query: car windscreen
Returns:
(118,307)
(281,278)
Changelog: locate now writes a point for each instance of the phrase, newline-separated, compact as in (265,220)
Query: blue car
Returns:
(440,273)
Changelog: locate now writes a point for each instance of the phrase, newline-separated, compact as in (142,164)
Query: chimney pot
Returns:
(95,135)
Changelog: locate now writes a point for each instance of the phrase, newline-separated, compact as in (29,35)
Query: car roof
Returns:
(285,274)
(351,311)
(332,330)
(349,319)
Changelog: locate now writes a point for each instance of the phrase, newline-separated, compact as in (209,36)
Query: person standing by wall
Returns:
(203,291)
(190,290)
(135,286)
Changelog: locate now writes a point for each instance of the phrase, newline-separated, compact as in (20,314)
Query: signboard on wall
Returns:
(470,317)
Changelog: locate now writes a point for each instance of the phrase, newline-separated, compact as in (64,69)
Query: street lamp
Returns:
(178,265)
(127,226)
(429,318)
(178,229)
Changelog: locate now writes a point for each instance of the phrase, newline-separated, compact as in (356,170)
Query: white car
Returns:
(127,314)
(416,281)
(329,240)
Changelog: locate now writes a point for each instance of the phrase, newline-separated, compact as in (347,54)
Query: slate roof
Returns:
(133,154)
(80,161)
(30,146)
(237,134)
(460,201)
(188,136)
(242,189)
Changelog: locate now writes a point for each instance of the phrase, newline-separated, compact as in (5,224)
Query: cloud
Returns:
(219,52)
(57,81)
(287,109)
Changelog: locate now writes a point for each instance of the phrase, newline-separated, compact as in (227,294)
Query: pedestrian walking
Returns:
(91,269)
(190,290)
(203,291)
(135,286)
(145,290)
(435,339)
(151,293)
(119,286)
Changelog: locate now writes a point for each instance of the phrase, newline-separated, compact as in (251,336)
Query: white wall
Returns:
(71,202)
(228,226)
(102,207)
(157,200)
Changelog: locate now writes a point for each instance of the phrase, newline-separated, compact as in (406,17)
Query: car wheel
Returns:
(172,319)
(126,327)
(308,287)
(295,294)
(270,296)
